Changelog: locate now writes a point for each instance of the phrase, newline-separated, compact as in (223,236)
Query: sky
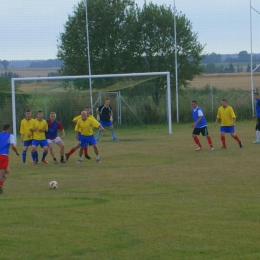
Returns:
(30,29)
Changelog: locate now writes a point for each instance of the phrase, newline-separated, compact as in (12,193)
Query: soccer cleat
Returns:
(256,142)
(240,145)
(79,161)
(67,156)
(98,161)
(198,149)
(24,163)
(62,161)
(45,162)
(34,163)
(223,148)
(211,149)
(87,156)
(1,190)
(115,139)
(55,162)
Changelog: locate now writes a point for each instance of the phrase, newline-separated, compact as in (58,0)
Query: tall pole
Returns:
(251,62)
(89,66)
(176,66)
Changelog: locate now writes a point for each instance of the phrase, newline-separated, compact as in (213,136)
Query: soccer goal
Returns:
(136,98)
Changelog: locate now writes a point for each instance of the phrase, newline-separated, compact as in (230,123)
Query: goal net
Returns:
(136,99)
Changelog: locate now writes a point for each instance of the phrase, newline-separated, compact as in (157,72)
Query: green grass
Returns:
(152,197)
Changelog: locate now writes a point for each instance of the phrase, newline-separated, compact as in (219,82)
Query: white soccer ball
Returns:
(53,185)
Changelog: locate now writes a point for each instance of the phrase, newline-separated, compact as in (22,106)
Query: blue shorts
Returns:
(87,140)
(42,143)
(227,129)
(105,123)
(27,143)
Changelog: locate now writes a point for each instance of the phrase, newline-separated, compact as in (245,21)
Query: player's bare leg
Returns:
(96,153)
(80,154)
(52,153)
(61,145)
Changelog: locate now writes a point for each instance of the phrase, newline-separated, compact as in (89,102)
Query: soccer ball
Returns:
(53,185)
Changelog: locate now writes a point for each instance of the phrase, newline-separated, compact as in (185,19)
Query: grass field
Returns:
(226,81)
(152,197)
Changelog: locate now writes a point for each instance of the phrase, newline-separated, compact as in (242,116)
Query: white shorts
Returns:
(54,141)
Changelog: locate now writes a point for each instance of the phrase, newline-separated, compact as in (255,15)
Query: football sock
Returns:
(34,156)
(44,155)
(62,158)
(71,152)
(223,140)
(113,134)
(236,138)
(85,150)
(54,159)
(257,135)
(197,141)
(97,156)
(24,156)
(1,183)
(209,141)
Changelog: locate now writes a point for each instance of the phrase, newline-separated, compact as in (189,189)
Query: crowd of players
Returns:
(44,133)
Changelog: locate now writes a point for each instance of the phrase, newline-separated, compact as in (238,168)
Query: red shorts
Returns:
(4,159)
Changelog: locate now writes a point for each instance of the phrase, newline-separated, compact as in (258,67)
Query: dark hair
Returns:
(39,111)
(87,107)
(194,101)
(256,93)
(6,127)
(224,100)
(28,110)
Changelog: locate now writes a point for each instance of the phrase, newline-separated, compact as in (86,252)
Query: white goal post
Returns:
(167,74)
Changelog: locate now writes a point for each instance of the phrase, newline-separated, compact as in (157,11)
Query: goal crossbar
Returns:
(166,73)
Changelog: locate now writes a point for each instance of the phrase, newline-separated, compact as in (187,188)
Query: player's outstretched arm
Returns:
(15,149)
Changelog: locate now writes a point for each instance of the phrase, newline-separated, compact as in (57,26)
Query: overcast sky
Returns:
(30,29)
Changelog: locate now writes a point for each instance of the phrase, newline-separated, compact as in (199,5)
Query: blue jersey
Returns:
(4,143)
(257,108)
(53,129)
(196,114)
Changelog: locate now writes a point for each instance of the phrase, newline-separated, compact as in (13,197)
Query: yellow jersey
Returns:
(226,114)
(37,135)
(85,127)
(76,118)
(25,127)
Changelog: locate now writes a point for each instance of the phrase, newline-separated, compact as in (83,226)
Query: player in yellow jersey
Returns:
(228,120)
(40,127)
(74,148)
(26,134)
(85,126)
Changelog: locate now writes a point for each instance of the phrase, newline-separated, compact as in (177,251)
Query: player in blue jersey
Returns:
(199,125)
(105,117)
(257,116)
(6,140)
(53,138)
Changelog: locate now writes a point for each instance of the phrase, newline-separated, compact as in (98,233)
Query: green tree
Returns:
(5,64)
(125,38)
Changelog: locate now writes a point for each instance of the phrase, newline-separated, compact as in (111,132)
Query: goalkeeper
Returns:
(105,117)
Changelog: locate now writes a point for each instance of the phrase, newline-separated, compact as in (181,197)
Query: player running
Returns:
(6,139)
(85,127)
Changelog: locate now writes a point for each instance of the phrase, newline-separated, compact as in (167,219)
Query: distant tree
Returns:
(248,69)
(212,58)
(125,38)
(5,64)
(231,68)
(243,56)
